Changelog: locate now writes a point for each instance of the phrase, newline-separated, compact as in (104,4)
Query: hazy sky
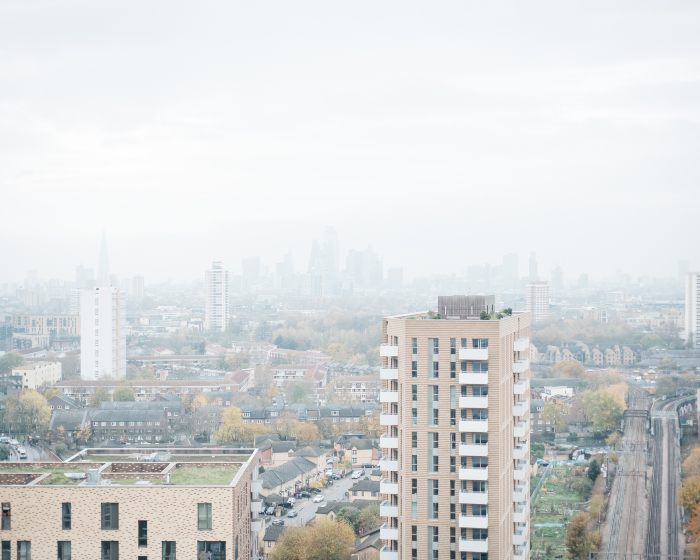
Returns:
(438,132)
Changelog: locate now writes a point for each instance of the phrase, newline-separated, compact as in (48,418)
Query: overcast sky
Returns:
(440,133)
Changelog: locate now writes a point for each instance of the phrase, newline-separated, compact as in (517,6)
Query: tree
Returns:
(569,368)
(369,520)
(325,539)
(4,452)
(83,435)
(100,395)
(593,470)
(198,402)
(27,413)
(233,428)
(556,414)
(690,493)
(52,392)
(330,540)
(292,545)
(602,410)
(577,542)
(691,465)
(10,361)
(351,516)
(123,393)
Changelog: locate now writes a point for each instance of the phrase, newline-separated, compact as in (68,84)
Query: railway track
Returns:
(625,532)
(664,530)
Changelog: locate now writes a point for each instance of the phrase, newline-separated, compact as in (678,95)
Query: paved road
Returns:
(33,454)
(307,509)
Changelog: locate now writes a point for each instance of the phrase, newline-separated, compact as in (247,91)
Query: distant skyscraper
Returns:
(137,287)
(103,278)
(692,309)
(510,271)
(533,274)
(216,304)
(537,300)
(102,333)
(557,281)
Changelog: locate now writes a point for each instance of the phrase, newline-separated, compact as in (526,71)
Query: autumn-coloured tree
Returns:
(325,539)
(690,493)
(569,368)
(578,542)
(27,413)
(603,411)
(556,414)
(233,428)
(691,465)
(123,393)
(100,395)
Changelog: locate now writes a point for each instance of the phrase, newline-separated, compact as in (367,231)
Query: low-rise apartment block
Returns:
(38,374)
(165,505)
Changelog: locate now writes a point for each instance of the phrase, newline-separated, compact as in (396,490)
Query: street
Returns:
(33,454)
(307,509)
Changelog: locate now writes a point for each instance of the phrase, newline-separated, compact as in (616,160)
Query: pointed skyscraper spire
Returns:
(103,274)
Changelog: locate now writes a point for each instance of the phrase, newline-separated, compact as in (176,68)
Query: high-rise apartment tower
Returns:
(216,305)
(102,333)
(537,300)
(456,451)
(692,308)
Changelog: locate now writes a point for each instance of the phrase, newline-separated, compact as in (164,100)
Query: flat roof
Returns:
(128,467)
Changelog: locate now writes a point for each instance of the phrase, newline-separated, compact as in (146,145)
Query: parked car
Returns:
(286,505)
(318,498)
(315,490)
(291,500)
(355,475)
(278,521)
(292,513)
(270,510)
(335,476)
(4,439)
(304,494)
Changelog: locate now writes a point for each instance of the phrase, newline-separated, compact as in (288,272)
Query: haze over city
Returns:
(318,280)
(224,131)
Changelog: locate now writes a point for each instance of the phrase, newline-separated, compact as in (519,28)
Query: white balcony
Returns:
(388,465)
(473,378)
(520,494)
(389,419)
(477,426)
(520,472)
(387,533)
(473,474)
(388,442)
(520,537)
(388,374)
(521,429)
(256,485)
(387,487)
(389,396)
(521,344)
(521,387)
(256,525)
(387,510)
(520,452)
(478,498)
(479,354)
(474,450)
(521,515)
(521,553)
(388,351)
(521,366)
(473,402)
(473,546)
(520,409)
(473,522)
(386,554)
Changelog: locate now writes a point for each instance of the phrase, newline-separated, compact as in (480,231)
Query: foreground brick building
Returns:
(119,505)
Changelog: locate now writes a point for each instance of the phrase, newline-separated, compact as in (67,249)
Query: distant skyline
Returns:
(439,135)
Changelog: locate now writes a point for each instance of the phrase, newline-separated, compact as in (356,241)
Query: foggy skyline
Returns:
(216,132)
